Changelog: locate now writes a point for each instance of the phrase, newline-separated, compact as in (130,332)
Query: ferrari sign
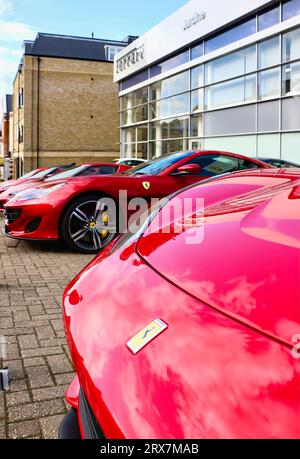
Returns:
(146,185)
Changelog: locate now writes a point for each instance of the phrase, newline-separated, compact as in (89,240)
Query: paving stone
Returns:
(59,364)
(17,398)
(64,378)
(17,385)
(28,342)
(45,332)
(24,429)
(42,351)
(15,367)
(39,377)
(33,362)
(36,410)
(50,426)
(46,394)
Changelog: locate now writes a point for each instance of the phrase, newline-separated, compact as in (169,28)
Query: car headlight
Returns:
(36,193)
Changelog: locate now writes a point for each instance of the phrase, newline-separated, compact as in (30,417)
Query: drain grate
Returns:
(4,380)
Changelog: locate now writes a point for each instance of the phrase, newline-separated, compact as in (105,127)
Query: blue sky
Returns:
(22,19)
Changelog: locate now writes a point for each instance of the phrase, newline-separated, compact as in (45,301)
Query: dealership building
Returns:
(214,75)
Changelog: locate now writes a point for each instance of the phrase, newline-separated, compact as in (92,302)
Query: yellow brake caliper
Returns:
(105,221)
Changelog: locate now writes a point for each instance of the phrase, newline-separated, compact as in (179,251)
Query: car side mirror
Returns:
(189,169)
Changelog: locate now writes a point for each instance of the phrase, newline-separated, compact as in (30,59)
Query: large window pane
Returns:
(140,96)
(291,46)
(268,146)
(245,145)
(268,84)
(234,64)
(291,79)
(197,126)
(169,107)
(177,145)
(169,64)
(159,130)
(129,135)
(230,36)
(290,150)
(170,86)
(197,101)
(179,128)
(142,150)
(127,117)
(268,18)
(197,51)
(141,113)
(290,114)
(142,133)
(135,98)
(230,121)
(135,115)
(168,129)
(158,148)
(231,92)
(268,116)
(290,9)
(268,53)
(129,150)
(197,77)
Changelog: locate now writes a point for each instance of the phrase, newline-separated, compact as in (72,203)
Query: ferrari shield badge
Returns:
(146,185)
(146,335)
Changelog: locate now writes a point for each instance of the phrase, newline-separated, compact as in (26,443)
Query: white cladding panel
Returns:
(191,22)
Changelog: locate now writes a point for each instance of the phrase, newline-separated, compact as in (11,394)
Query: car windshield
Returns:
(157,165)
(67,174)
(43,174)
(29,174)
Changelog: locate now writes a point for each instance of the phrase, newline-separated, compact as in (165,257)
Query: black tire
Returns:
(83,227)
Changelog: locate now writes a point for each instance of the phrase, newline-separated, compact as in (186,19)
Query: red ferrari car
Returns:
(34,177)
(174,340)
(22,179)
(88,169)
(69,208)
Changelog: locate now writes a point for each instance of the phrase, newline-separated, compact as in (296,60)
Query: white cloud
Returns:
(15,31)
(8,70)
(5,7)
(10,53)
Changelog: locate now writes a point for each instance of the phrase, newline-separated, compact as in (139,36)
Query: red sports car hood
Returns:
(208,375)
(246,258)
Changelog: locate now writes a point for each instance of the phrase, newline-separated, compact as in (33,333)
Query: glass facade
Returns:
(247,101)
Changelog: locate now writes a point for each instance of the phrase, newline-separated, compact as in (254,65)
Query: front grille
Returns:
(89,423)
(11,215)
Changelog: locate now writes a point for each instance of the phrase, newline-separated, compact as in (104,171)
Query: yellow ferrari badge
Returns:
(146,185)
(146,335)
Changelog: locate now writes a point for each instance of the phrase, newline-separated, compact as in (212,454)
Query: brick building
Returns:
(5,135)
(65,103)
